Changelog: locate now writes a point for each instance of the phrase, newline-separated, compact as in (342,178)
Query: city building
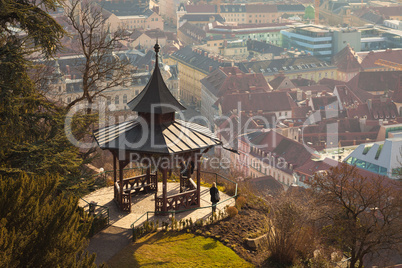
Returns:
(382,157)
(197,14)
(308,67)
(148,20)
(320,41)
(125,8)
(227,80)
(348,63)
(190,34)
(266,32)
(272,154)
(194,64)
(65,80)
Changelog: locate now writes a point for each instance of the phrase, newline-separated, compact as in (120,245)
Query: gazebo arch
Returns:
(156,136)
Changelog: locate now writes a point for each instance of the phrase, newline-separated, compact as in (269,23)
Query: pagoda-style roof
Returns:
(155,98)
(167,138)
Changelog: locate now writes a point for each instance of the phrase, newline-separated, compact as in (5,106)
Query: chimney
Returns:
(210,68)
(249,70)
(147,67)
(206,54)
(370,104)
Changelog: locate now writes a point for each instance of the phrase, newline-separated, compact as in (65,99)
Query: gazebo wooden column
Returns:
(166,136)
(164,190)
(198,182)
(148,175)
(115,177)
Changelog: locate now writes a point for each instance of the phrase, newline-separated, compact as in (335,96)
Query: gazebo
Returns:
(156,137)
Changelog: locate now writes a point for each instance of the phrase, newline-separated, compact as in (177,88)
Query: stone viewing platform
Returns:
(143,202)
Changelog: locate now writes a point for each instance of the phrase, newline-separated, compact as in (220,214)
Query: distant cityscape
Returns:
(279,61)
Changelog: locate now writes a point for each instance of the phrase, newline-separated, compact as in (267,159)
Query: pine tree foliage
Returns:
(39,228)
(31,128)
(43,33)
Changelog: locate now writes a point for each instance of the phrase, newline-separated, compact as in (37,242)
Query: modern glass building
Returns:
(379,157)
(314,40)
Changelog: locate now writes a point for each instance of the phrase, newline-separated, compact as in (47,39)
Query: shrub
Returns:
(240,202)
(232,211)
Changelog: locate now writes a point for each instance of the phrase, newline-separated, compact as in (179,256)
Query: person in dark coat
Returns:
(214,196)
(192,166)
(183,169)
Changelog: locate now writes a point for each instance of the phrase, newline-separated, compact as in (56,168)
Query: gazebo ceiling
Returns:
(167,138)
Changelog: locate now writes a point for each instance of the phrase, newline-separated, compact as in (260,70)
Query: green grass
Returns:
(173,249)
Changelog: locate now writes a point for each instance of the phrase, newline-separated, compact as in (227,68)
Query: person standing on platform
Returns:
(214,196)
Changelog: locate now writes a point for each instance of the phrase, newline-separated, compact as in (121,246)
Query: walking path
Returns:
(118,235)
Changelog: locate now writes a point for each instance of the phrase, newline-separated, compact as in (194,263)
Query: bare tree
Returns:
(363,213)
(291,235)
(101,68)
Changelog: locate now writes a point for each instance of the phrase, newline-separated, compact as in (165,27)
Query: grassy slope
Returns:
(177,250)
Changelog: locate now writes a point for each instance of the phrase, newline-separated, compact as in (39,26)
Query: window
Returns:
(59,88)
(124,98)
(68,100)
(116,99)
(109,100)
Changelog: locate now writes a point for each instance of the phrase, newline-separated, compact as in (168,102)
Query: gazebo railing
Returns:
(100,215)
(186,199)
(171,212)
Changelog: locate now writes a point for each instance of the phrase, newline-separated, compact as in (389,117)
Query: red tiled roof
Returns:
(277,81)
(397,96)
(311,167)
(278,145)
(319,103)
(267,102)
(369,59)
(375,81)
(360,111)
(383,109)
(242,82)
(243,125)
(201,8)
(316,88)
(346,96)
(302,82)
(331,83)
(300,112)
(347,60)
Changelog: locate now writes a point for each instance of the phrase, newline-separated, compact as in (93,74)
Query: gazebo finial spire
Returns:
(155,93)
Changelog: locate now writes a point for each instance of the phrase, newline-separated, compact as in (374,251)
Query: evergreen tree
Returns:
(39,228)
(31,128)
